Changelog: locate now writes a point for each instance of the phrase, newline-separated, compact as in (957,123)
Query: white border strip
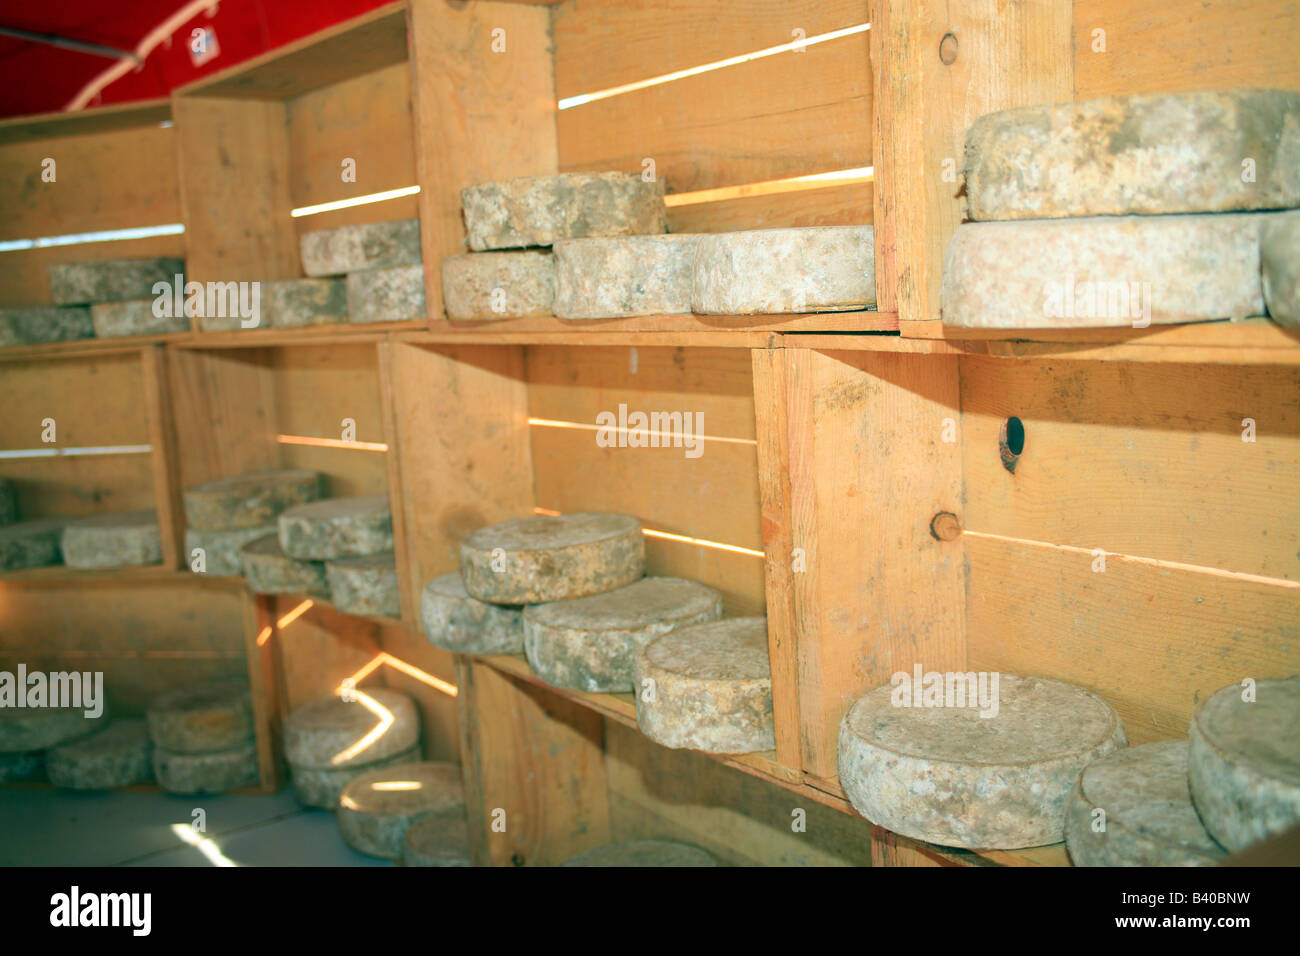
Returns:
(76,452)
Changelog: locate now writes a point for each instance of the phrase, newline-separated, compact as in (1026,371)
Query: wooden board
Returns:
(320,648)
(839,205)
(481,116)
(439,731)
(101,119)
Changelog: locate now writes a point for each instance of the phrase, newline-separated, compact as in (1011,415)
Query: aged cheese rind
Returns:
(365,585)
(248,501)
(38,324)
(461,624)
(487,286)
(111,280)
(31,544)
(337,528)
(624,276)
(203,717)
(643,853)
(591,643)
(765,271)
(121,539)
(1243,762)
(117,756)
(1149,817)
(216,772)
(317,787)
(39,728)
(534,560)
(293,303)
(374,816)
(1279,242)
(1146,154)
(268,570)
(1103,272)
(708,687)
(440,838)
(22,767)
(135,317)
(326,728)
(947,775)
(221,549)
(386,295)
(373,245)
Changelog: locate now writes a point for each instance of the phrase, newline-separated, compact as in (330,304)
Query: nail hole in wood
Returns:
(948,49)
(1011,442)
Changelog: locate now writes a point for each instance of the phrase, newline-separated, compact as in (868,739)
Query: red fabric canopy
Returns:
(38,78)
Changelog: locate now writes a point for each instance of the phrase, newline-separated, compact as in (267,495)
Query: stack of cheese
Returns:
(106,298)
(116,540)
(336,547)
(203,737)
(1132,210)
(593,246)
(224,515)
(331,740)
(27,734)
(385,278)
(25,544)
(570,592)
(378,810)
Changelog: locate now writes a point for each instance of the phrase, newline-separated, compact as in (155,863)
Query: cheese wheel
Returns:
(708,687)
(220,550)
(1244,762)
(533,560)
(487,286)
(30,544)
(591,643)
(269,570)
(294,303)
(36,325)
(217,772)
(22,767)
(1280,257)
(947,775)
(337,528)
(316,787)
(135,317)
(624,276)
(440,838)
(248,501)
(118,540)
(377,808)
(365,585)
(386,295)
(330,732)
(371,245)
(461,624)
(117,756)
(643,853)
(111,280)
(203,717)
(39,728)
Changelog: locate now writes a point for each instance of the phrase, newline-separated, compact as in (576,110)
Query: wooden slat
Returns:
(705,330)
(265,679)
(163,458)
(440,735)
(868,470)
(1145,460)
(320,648)
(1185,45)
(406,588)
(1152,642)
(849,205)
(102,119)
(482,116)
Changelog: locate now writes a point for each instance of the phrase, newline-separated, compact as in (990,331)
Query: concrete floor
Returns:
(41,826)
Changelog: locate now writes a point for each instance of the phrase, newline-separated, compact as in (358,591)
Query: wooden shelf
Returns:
(102,119)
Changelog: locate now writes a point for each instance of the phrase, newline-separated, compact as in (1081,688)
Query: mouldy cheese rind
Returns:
(39,728)
(591,643)
(203,717)
(293,303)
(365,585)
(537,211)
(36,325)
(337,528)
(22,767)
(135,317)
(317,787)
(624,276)
(120,755)
(440,838)
(534,560)
(1243,762)
(221,549)
(1220,151)
(31,544)
(386,295)
(373,245)
(1133,808)
(376,808)
(947,775)
(268,570)
(708,687)
(217,772)
(121,539)
(325,733)
(488,286)
(248,501)
(1280,257)
(111,280)
(461,624)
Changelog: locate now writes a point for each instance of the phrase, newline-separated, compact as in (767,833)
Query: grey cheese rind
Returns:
(337,528)
(538,211)
(221,549)
(375,245)
(317,787)
(268,570)
(764,271)
(624,276)
(440,838)
(121,539)
(534,560)
(488,286)
(135,317)
(111,280)
(1147,154)
(374,817)
(40,728)
(386,295)
(1279,242)
(947,775)
(254,500)
(39,324)
(591,643)
(461,624)
(31,544)
(322,733)
(294,303)
(203,717)
(643,853)
(708,687)
(120,755)
(365,585)
(217,772)
(1103,272)
(1243,763)
(24,767)
(1148,820)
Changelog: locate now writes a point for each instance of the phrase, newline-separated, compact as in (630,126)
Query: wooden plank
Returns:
(1006,54)
(1166,47)
(482,116)
(367,120)
(328,334)
(406,587)
(101,119)
(1152,642)
(163,458)
(320,648)
(439,732)
(265,679)
(363,44)
(844,205)
(534,767)
(235,176)
(1143,460)
(462,441)
(722,330)
(771,407)
(869,469)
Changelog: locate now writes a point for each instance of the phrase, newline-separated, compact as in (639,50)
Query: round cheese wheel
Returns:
(315,787)
(365,585)
(329,732)
(39,728)
(337,528)
(268,570)
(119,540)
(217,772)
(376,808)
(461,624)
(248,501)
(203,717)
(117,756)
(440,838)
